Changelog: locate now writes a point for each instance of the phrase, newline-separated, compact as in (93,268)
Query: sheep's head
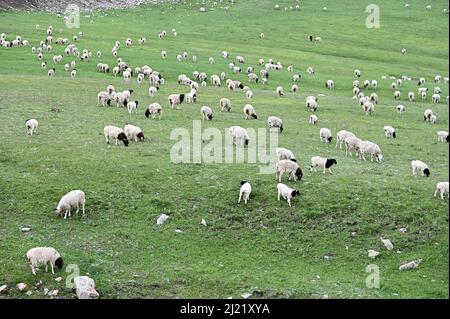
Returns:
(59,262)
(329,139)
(243,182)
(427,172)
(295,193)
(380,158)
(140,136)
(254,116)
(299,173)
(147,113)
(447,138)
(123,138)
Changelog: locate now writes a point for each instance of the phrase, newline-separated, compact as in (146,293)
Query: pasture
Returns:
(316,247)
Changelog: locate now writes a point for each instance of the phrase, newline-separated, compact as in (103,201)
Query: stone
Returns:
(410,265)
(373,254)
(387,243)
(85,288)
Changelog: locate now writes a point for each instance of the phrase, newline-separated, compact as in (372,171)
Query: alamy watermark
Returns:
(373,19)
(373,279)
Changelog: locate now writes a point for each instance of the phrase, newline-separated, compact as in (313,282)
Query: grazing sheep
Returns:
(51,72)
(311,104)
(325,163)
(368,107)
(104,98)
(374,98)
(437,90)
(273,121)
(238,134)
(240,59)
(249,112)
(420,167)
(44,255)
(374,84)
(366,84)
(252,78)
(357,73)
(369,148)
(442,188)
(133,132)
(433,119)
(211,60)
(115,133)
(153,110)
(389,132)
(153,91)
(443,136)
(285,154)
(163,55)
(351,143)
(206,113)
(427,115)
(280,91)
(341,136)
(436,98)
(249,94)
(215,81)
(421,81)
(401,109)
(175,100)
(403,51)
(329,84)
(423,94)
(286,192)
(132,107)
(397,95)
(289,167)
(245,191)
(191,97)
(325,135)
(73,74)
(225,104)
(294,88)
(31,126)
(296,77)
(313,119)
(75,198)
(411,96)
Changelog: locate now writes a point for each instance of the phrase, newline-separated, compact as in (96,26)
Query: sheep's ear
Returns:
(243,182)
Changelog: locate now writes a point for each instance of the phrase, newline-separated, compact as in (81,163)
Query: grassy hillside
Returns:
(262,246)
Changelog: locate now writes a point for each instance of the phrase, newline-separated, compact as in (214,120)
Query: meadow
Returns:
(317,247)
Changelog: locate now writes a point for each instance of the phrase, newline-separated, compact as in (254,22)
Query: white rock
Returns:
(21,286)
(373,253)
(85,288)
(28,293)
(25,229)
(246,296)
(45,291)
(58,279)
(161,219)
(53,292)
(387,243)
(403,230)
(411,265)
(178,230)
(3,288)
(203,222)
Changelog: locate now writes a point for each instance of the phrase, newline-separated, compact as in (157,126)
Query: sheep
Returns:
(132,106)
(223,76)
(31,126)
(225,104)
(399,82)
(329,84)
(225,54)
(294,88)
(249,112)
(403,51)
(44,65)
(366,84)
(420,167)
(341,136)
(443,136)
(175,100)
(313,119)
(442,188)
(374,98)
(206,113)
(211,60)
(191,97)
(285,154)
(357,73)
(311,104)
(369,148)
(240,59)
(238,134)
(286,192)
(273,121)
(411,96)
(433,119)
(368,107)
(436,98)
(249,94)
(427,115)
(73,74)
(421,81)
(122,98)
(163,55)
(252,78)
(290,167)
(153,110)
(423,94)
(325,135)
(75,198)
(280,91)
(245,191)
(51,72)
(133,132)
(389,132)
(140,78)
(44,255)
(420,90)
(397,95)
(104,98)
(437,90)
(153,91)
(401,109)
(116,133)
(374,84)
(325,163)
(296,77)
(215,81)
(351,143)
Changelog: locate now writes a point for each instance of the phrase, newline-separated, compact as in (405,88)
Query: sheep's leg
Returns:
(46,267)
(435,193)
(65,214)
(78,209)
(240,197)
(53,271)
(33,271)
(289,202)
(69,212)
(245,199)
(329,169)
(279,195)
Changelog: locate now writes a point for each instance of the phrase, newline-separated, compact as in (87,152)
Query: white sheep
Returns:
(401,109)
(325,135)
(357,73)
(115,133)
(313,119)
(132,106)
(294,88)
(249,94)
(436,98)
(206,113)
(175,100)
(427,115)
(273,121)
(311,104)
(420,167)
(368,107)
(44,255)
(284,154)
(279,91)
(397,95)
(153,91)
(73,74)
(153,110)
(324,163)
(370,148)
(133,132)
(433,119)
(245,191)
(351,143)
(31,126)
(442,188)
(225,104)
(75,198)
(286,192)
(443,136)
(389,132)
(290,167)
(238,135)
(103,98)
(341,136)
(411,96)
(329,84)
(249,112)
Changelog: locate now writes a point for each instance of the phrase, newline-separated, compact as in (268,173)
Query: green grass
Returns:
(265,245)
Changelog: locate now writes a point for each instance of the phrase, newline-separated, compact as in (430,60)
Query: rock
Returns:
(21,286)
(353,234)
(3,288)
(373,254)
(85,288)
(162,219)
(387,243)
(403,230)
(178,230)
(45,291)
(246,296)
(58,279)
(53,292)
(203,222)
(29,293)
(25,229)
(410,265)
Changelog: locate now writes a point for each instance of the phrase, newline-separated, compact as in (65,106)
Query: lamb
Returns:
(249,94)
(329,84)
(110,89)
(153,91)
(420,167)
(133,132)
(44,255)
(31,126)
(443,136)
(273,121)
(442,188)
(290,167)
(369,148)
(245,191)
(313,119)
(175,100)
(411,96)
(285,154)
(433,119)
(294,88)
(238,134)
(75,198)
(341,136)
(153,110)
(325,135)
(286,192)
(104,98)
(389,132)
(325,163)
(280,91)
(206,112)
(225,104)
(427,115)
(400,109)
(249,112)
(116,133)
(351,143)
(132,106)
